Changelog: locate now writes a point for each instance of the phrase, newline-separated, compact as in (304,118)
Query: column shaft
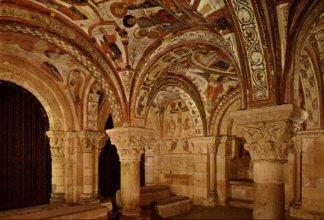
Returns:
(130,143)
(130,187)
(269,191)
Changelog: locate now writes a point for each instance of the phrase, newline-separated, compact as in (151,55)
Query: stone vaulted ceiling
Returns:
(138,50)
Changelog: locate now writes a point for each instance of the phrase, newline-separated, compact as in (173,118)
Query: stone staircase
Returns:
(88,211)
(160,197)
(241,193)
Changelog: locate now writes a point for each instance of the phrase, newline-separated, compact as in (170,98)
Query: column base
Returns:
(132,213)
(211,200)
(57,198)
(300,213)
(88,198)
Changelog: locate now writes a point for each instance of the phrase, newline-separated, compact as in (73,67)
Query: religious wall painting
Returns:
(308,81)
(213,74)
(178,126)
(142,101)
(53,60)
(151,19)
(94,100)
(76,80)
(52,70)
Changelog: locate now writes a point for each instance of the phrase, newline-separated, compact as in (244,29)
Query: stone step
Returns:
(149,195)
(240,203)
(172,206)
(87,211)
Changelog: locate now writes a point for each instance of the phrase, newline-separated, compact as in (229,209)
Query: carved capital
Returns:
(268,131)
(57,142)
(91,141)
(267,141)
(130,141)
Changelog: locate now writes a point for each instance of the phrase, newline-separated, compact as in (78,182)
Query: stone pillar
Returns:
(268,132)
(90,143)
(58,148)
(130,143)
(204,177)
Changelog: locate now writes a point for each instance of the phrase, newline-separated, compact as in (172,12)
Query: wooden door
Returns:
(25,163)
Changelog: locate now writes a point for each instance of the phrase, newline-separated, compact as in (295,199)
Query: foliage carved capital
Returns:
(130,142)
(268,131)
(267,141)
(57,142)
(91,141)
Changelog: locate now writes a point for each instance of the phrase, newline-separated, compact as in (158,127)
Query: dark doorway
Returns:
(25,162)
(109,167)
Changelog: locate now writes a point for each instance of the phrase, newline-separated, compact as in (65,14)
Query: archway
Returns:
(25,160)
(109,167)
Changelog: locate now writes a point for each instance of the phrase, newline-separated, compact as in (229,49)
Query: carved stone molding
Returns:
(130,142)
(268,131)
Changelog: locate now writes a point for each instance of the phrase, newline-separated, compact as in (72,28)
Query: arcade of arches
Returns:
(222,100)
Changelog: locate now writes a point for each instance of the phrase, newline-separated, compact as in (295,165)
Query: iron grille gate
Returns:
(25,163)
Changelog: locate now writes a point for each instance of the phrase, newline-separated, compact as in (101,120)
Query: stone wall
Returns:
(313,171)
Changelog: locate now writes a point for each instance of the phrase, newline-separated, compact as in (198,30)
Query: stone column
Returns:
(58,147)
(204,175)
(130,143)
(268,132)
(90,141)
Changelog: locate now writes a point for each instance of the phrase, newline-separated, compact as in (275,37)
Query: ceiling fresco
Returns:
(124,29)
(130,46)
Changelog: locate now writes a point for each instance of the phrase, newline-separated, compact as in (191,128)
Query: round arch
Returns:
(188,93)
(29,77)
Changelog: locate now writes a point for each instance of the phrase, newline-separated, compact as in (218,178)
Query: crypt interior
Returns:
(119,106)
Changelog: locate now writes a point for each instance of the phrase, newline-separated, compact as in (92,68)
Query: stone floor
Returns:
(206,213)
(64,211)
(197,212)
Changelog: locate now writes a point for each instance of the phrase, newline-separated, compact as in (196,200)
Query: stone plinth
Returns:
(268,133)
(130,143)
